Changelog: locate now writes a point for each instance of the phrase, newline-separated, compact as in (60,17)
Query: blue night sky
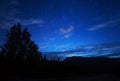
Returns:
(66,27)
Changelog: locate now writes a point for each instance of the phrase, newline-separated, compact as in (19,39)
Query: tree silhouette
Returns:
(19,46)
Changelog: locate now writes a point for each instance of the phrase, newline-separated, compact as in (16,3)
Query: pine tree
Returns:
(10,47)
(19,46)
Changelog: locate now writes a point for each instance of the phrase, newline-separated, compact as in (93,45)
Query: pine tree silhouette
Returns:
(19,46)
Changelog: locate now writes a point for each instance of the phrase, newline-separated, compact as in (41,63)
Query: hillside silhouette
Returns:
(19,57)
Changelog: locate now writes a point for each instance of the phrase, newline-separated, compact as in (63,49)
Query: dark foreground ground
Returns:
(71,69)
(99,77)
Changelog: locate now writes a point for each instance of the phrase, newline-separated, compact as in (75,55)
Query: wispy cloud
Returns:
(31,21)
(67,31)
(11,14)
(67,35)
(107,49)
(111,23)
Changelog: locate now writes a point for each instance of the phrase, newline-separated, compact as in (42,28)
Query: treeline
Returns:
(94,64)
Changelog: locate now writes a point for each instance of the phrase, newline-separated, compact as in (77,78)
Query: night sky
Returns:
(66,27)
